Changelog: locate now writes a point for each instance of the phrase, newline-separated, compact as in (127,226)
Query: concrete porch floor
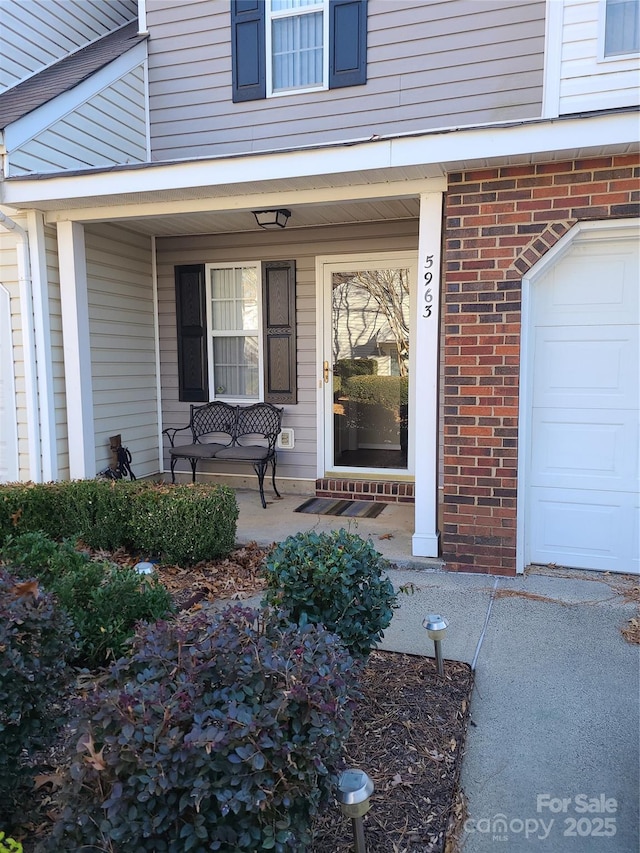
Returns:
(390,532)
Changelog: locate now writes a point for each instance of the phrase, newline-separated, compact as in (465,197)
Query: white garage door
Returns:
(582,502)
(8,439)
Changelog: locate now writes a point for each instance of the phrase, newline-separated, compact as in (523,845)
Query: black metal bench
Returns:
(226,433)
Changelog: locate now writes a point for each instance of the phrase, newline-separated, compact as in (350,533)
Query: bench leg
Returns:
(260,468)
(173,468)
(194,463)
(273,477)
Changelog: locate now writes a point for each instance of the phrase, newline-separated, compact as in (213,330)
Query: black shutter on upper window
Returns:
(279,325)
(248,69)
(347,43)
(191,320)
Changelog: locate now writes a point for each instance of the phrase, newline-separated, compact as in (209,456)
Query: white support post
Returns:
(425,542)
(42,324)
(77,350)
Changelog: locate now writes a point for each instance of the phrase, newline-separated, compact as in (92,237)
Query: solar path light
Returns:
(354,792)
(436,626)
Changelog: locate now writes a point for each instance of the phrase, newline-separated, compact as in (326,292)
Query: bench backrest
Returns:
(260,419)
(213,422)
(219,421)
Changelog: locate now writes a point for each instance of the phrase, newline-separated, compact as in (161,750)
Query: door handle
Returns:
(325,370)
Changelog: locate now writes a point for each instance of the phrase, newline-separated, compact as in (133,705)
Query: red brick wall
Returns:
(498,224)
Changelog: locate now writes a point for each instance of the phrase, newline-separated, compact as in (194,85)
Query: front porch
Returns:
(391,532)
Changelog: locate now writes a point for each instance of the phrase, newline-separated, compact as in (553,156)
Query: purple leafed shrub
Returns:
(219,732)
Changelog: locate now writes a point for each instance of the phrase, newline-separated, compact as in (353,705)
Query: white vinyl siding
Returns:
(430,65)
(8,431)
(588,80)
(38,33)
(123,355)
(302,246)
(9,279)
(108,129)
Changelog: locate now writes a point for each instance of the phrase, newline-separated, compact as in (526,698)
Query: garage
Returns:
(579,409)
(8,438)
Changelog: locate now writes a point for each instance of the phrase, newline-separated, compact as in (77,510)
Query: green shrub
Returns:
(9,845)
(38,554)
(334,579)
(389,392)
(97,511)
(218,732)
(103,600)
(181,524)
(346,367)
(35,643)
(185,523)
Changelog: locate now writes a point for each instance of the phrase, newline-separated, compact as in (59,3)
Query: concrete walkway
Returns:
(553,754)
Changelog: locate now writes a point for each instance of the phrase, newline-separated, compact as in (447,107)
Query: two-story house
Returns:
(444,296)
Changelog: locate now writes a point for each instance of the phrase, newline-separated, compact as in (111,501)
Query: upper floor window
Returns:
(283,46)
(622,27)
(295,42)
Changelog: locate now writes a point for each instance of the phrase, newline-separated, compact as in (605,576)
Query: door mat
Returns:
(347,509)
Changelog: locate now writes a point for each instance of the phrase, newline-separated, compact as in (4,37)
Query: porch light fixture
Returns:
(436,626)
(272,219)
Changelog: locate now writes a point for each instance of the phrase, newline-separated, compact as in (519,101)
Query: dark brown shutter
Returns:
(191,318)
(347,43)
(248,69)
(279,323)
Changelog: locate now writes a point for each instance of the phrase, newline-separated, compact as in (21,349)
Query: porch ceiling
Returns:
(302,216)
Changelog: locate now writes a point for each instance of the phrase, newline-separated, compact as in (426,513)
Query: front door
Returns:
(367,365)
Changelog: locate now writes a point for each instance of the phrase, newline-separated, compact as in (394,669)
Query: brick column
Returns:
(499,223)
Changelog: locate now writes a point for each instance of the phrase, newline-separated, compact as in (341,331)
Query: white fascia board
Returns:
(444,150)
(25,128)
(539,137)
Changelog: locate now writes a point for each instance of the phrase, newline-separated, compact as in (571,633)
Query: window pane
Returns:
(283,5)
(370,334)
(622,27)
(234,299)
(236,367)
(297,51)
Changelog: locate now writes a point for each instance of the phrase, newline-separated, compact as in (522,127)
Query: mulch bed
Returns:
(408,734)
(408,737)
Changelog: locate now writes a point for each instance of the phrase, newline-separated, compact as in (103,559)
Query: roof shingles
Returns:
(65,74)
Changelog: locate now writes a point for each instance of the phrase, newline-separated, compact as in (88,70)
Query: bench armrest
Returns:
(170,432)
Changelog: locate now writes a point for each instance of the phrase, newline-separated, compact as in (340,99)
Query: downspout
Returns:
(28,345)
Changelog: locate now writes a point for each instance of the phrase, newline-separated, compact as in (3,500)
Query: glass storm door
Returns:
(367,370)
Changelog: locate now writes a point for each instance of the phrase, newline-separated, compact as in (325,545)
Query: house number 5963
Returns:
(427,295)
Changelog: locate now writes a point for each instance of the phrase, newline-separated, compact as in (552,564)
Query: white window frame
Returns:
(602,32)
(228,398)
(270,16)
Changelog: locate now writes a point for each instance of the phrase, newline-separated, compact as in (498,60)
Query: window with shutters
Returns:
(284,46)
(236,332)
(621,28)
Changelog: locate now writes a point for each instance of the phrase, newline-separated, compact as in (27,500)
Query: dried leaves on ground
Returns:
(408,737)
